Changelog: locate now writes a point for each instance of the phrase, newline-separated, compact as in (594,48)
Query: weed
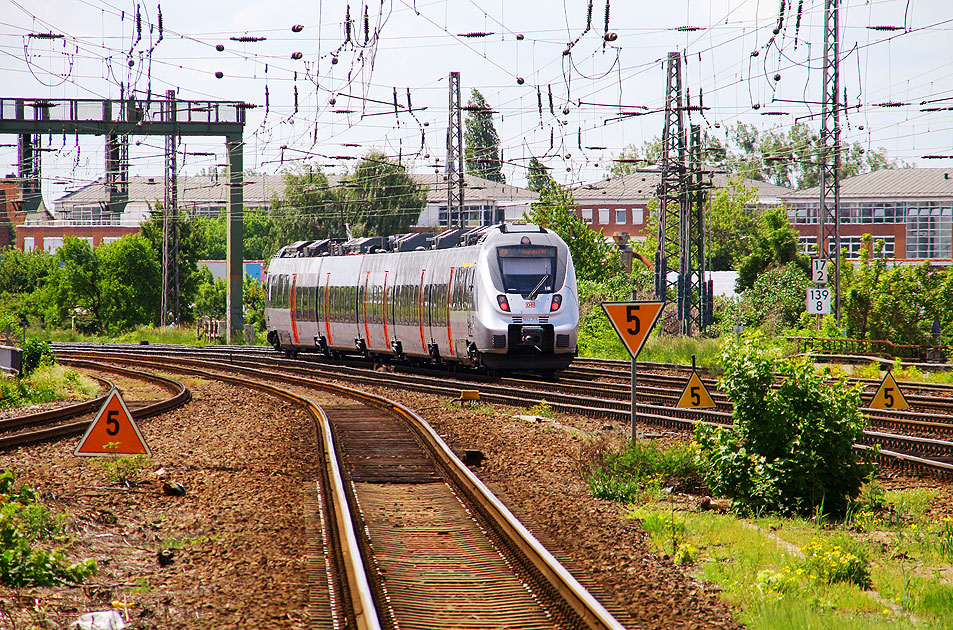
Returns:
(944,539)
(542,409)
(121,469)
(685,555)
(831,563)
(620,474)
(666,527)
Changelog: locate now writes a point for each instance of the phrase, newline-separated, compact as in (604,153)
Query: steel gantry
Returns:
(117,120)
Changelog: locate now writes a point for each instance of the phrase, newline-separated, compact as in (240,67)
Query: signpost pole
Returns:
(634,411)
(632,322)
(635,436)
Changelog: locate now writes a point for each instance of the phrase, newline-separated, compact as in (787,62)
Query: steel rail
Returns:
(364,608)
(181,397)
(682,419)
(579,599)
(60,413)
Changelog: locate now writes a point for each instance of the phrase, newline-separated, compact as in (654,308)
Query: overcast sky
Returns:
(513,52)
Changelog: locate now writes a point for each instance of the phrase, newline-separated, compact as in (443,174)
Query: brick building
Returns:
(620,204)
(909,210)
(84,213)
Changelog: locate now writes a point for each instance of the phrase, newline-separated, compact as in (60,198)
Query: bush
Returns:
(790,450)
(35,354)
(22,520)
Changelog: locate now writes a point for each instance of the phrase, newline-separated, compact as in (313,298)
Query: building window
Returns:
(638,216)
(929,230)
(620,216)
(210,211)
(603,216)
(853,244)
(587,216)
(28,244)
(807,245)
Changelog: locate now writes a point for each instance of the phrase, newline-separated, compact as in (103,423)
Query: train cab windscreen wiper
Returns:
(532,294)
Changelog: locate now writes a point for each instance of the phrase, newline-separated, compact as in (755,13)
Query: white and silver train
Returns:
(503,297)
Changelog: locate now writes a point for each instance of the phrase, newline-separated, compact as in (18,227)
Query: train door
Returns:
(423,318)
(327,309)
(294,308)
(448,304)
(383,313)
(362,300)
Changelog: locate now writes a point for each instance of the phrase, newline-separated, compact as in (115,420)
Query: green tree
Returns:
(774,244)
(592,257)
(23,281)
(129,282)
(23,272)
(790,448)
(193,241)
(210,300)
(898,303)
(730,221)
(381,197)
(482,143)
(309,208)
(790,157)
(538,176)
(632,158)
(74,282)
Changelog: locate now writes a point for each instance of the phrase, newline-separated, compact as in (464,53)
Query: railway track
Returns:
(928,454)
(413,538)
(75,419)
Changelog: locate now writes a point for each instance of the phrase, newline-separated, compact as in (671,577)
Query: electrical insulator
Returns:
(297,28)
(219,47)
(296,55)
(519,80)
(219,74)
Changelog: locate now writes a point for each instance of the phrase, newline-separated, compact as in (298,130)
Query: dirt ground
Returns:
(237,536)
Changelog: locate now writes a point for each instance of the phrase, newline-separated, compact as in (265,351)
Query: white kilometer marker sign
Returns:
(818,301)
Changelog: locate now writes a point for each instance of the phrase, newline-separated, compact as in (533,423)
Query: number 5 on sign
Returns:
(818,301)
(633,321)
(113,426)
(888,395)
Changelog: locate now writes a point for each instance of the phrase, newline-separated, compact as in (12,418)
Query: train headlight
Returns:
(556,303)
(503,302)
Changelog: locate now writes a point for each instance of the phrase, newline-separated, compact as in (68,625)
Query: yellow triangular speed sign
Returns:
(888,395)
(633,321)
(695,395)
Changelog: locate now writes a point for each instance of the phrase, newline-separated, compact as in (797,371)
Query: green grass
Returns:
(46,384)
(182,335)
(795,573)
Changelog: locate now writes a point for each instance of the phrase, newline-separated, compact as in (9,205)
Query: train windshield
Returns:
(527,268)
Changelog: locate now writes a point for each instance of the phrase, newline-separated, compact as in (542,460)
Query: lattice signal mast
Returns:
(455,156)
(828,208)
(171,306)
(681,227)
(672,191)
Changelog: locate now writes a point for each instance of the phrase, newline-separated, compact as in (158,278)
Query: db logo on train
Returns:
(531,305)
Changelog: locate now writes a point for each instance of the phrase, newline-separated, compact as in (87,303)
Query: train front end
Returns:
(528,302)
